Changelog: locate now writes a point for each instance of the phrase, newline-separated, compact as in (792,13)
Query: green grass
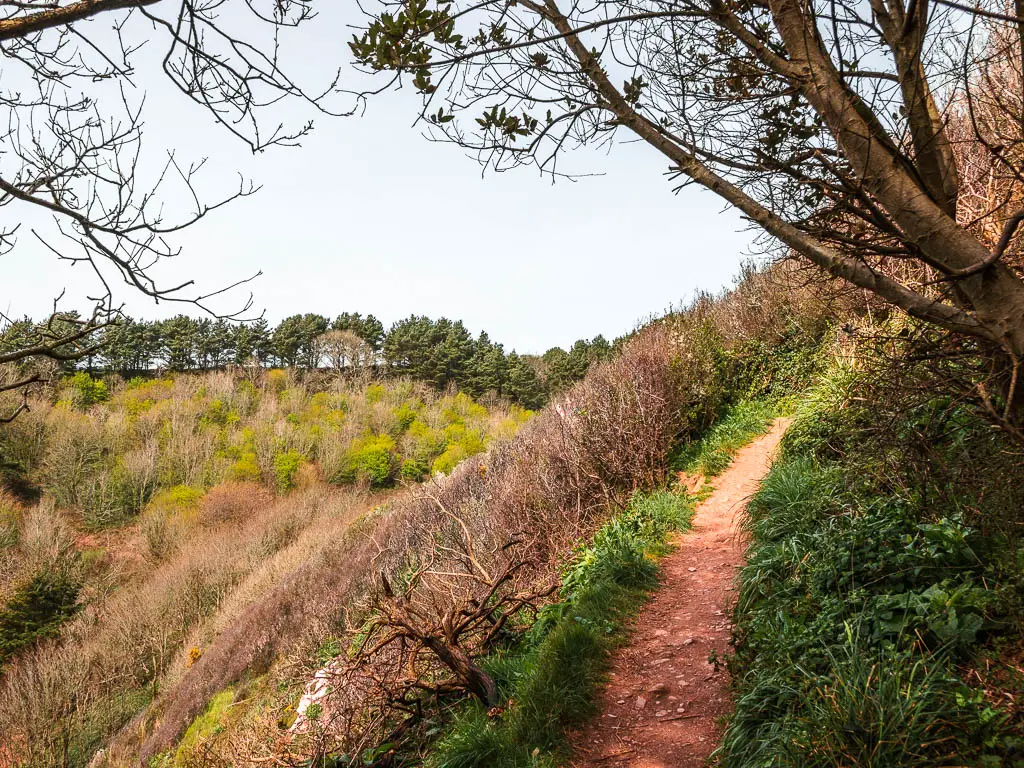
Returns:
(550,679)
(859,604)
(205,725)
(713,453)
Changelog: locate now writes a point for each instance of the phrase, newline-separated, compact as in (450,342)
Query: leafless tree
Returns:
(825,122)
(346,351)
(71,146)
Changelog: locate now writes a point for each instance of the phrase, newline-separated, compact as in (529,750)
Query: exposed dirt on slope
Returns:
(664,700)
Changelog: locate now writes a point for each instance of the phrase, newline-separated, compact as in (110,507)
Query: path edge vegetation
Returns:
(551,675)
(880,608)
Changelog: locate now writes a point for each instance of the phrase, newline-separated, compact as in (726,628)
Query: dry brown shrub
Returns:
(232,501)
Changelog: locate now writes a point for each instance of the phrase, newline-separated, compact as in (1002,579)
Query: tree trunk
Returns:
(458,661)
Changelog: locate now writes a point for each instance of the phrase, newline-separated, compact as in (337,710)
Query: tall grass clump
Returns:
(551,677)
(868,591)
(713,453)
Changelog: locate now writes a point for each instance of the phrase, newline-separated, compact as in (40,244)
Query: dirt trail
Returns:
(661,706)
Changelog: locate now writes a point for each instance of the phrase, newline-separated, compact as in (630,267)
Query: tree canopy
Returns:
(847,131)
(439,352)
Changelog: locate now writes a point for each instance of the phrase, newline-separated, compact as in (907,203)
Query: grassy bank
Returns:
(880,608)
(738,425)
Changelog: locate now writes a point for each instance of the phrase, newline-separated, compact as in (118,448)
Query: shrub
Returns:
(451,458)
(179,500)
(36,610)
(414,470)
(86,391)
(405,415)
(246,469)
(286,465)
(276,380)
(233,501)
(425,443)
(371,458)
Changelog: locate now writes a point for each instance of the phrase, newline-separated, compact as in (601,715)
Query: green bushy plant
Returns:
(85,390)
(246,469)
(414,470)
(286,465)
(370,457)
(36,610)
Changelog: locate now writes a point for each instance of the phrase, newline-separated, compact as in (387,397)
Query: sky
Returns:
(369,216)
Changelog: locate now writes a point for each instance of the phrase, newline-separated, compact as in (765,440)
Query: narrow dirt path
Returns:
(662,705)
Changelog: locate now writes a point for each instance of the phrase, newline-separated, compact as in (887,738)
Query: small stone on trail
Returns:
(661,713)
(689,641)
(691,570)
(641,702)
(660,632)
(621,701)
(658,688)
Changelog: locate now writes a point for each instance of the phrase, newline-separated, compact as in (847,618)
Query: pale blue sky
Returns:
(369,216)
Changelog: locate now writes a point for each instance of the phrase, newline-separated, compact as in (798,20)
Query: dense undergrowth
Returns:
(147,516)
(880,611)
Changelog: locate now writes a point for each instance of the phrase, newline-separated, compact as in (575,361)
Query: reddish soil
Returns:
(664,701)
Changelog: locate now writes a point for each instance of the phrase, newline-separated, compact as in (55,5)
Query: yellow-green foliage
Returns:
(276,380)
(448,460)
(285,466)
(246,469)
(83,390)
(149,437)
(180,500)
(371,458)
(375,393)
